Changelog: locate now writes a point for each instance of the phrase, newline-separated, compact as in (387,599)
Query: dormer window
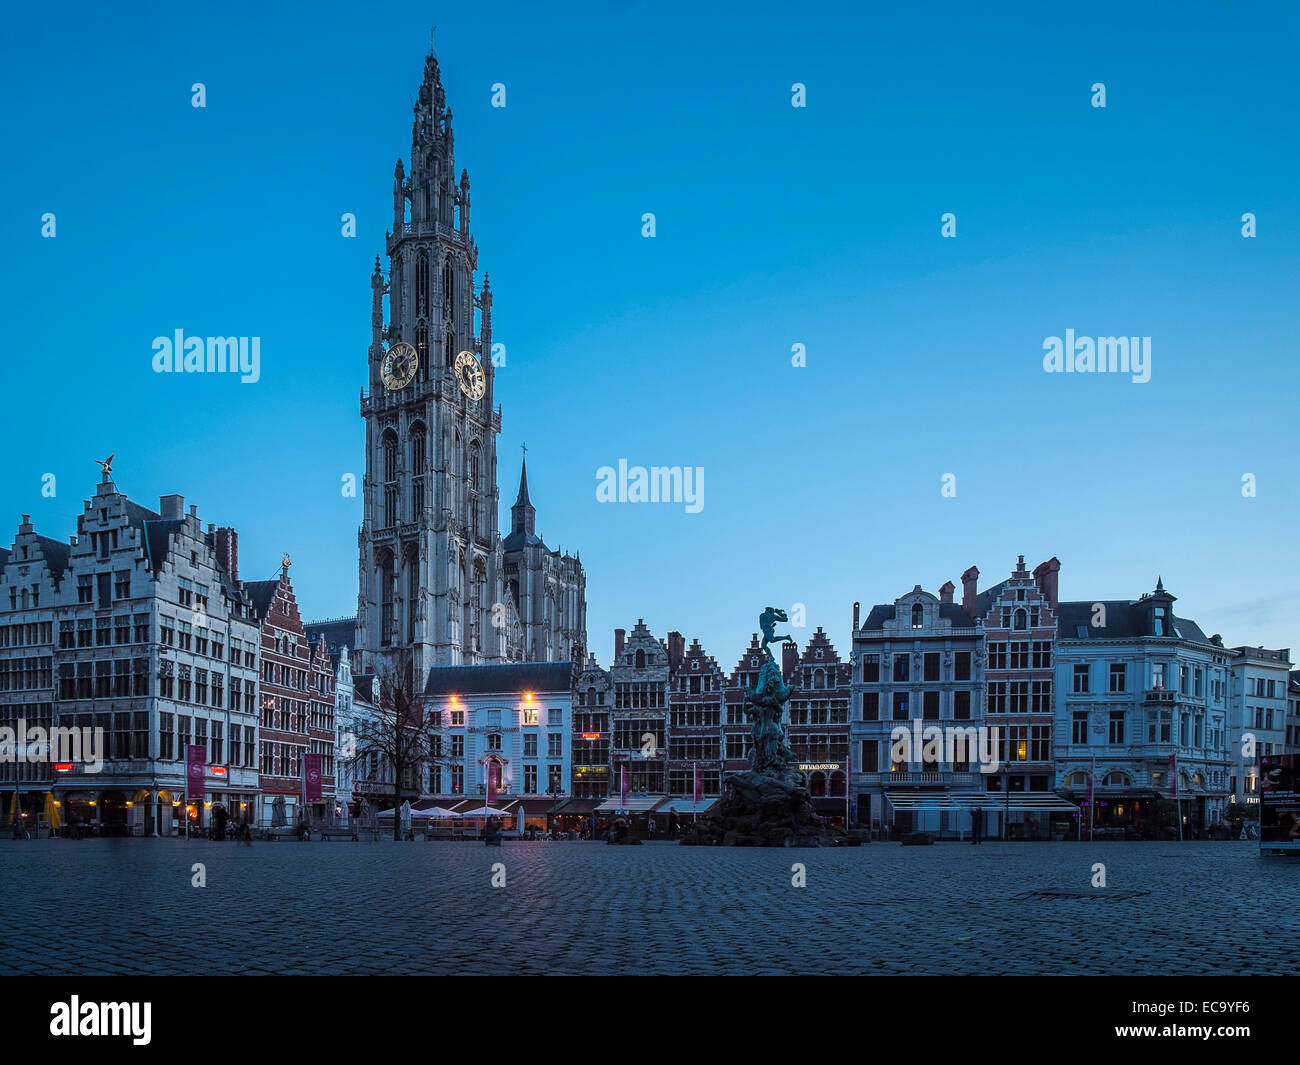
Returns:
(918,616)
(1158,621)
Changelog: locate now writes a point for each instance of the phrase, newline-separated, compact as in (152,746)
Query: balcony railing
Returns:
(951,778)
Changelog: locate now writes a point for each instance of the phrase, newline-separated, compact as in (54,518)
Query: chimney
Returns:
(619,636)
(228,552)
(171,507)
(945,593)
(1046,575)
(968,593)
(676,650)
(857,614)
(789,659)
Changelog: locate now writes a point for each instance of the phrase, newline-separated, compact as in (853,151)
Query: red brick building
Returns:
(696,707)
(297,710)
(819,720)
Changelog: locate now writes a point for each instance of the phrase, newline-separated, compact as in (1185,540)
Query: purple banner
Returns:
(311,774)
(196,772)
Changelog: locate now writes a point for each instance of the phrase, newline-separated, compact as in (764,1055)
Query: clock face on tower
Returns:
(469,372)
(399,367)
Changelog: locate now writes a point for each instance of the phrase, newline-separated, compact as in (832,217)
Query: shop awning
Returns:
(930,800)
(636,804)
(574,807)
(688,806)
(535,807)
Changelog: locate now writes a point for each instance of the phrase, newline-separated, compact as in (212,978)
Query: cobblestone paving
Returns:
(98,907)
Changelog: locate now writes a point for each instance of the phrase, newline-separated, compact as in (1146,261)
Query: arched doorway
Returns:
(113,814)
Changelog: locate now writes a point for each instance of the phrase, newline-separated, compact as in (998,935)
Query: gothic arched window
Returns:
(422,350)
(418,464)
(447,287)
(422,283)
(385,575)
(480,599)
(449,348)
(392,496)
(473,466)
(412,591)
(640,660)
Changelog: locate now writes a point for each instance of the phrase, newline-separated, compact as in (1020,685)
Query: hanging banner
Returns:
(311,777)
(196,771)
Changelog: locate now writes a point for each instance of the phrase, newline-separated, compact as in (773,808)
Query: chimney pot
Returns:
(969,582)
(789,659)
(1047,577)
(619,636)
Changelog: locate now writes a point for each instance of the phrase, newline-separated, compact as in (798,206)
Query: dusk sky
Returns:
(775,226)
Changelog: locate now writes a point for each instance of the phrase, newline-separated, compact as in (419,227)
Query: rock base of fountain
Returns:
(765,809)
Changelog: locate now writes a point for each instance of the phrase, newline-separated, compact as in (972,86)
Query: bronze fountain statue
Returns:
(767,804)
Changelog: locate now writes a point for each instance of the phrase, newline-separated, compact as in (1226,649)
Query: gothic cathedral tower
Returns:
(432,571)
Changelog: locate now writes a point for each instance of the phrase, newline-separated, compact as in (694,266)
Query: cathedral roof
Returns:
(519,539)
(337,633)
(513,678)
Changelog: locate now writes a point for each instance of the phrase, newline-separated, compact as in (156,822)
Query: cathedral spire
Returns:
(523,515)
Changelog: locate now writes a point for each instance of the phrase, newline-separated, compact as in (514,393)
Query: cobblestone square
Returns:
(100,907)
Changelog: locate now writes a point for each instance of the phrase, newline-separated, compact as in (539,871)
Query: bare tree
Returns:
(399,735)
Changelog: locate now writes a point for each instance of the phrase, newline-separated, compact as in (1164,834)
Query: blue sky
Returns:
(775,226)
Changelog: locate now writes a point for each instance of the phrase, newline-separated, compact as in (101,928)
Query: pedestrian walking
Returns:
(651,827)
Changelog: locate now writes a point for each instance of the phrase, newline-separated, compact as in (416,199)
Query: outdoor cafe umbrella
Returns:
(51,811)
(433,811)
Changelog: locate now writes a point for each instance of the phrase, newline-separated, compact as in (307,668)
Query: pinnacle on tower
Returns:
(523,515)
